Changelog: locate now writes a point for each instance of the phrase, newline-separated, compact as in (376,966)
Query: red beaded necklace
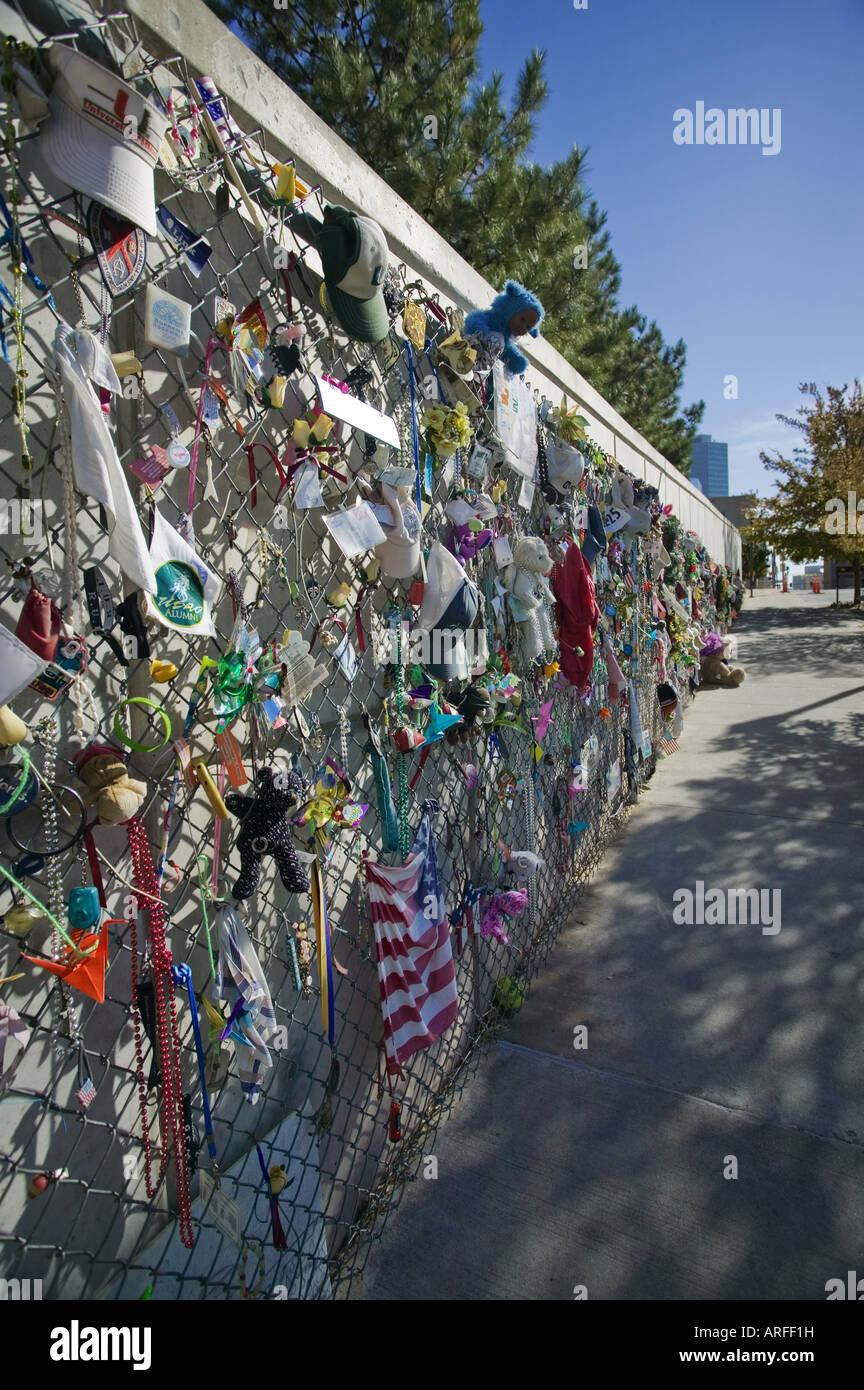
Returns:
(144,879)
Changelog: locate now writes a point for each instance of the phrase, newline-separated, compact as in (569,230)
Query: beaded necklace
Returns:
(167,1033)
(10,47)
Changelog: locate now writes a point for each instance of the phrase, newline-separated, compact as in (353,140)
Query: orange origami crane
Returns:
(86,973)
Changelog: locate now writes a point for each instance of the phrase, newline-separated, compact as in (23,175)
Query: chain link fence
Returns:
(322,1117)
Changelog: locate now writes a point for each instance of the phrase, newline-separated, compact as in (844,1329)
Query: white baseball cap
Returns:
(565,466)
(102,137)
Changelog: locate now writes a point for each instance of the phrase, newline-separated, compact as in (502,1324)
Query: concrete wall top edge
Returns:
(263,99)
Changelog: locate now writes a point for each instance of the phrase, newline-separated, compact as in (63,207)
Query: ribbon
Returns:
(183,976)
(322,941)
(295,458)
(279,1241)
(212,343)
(358,620)
(414,436)
(250,454)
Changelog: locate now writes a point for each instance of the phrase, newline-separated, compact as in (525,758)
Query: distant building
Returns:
(710,469)
(735,508)
(839,576)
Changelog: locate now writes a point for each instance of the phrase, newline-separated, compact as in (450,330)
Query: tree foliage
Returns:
(814,512)
(755,547)
(399,81)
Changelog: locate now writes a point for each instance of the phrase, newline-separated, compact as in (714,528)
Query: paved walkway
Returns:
(605,1167)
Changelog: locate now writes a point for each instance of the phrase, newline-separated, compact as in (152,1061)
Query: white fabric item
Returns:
(81,360)
(444,579)
(636,731)
(176,566)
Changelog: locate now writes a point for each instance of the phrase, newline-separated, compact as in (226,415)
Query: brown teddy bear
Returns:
(714,664)
(116,796)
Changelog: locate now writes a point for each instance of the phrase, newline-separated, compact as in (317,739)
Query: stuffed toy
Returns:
(530,594)
(714,664)
(465,544)
(513,313)
(521,863)
(116,796)
(263,830)
(510,903)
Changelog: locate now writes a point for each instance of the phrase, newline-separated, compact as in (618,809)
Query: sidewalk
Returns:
(604,1167)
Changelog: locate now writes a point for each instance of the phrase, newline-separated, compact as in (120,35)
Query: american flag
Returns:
(416,974)
(629,581)
(668,745)
(85,1094)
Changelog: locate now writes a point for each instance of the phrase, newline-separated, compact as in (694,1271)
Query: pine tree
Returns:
(398,80)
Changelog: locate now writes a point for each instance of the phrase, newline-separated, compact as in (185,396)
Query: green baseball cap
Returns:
(354,255)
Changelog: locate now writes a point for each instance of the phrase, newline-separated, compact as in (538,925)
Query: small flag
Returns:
(86,1094)
(667,746)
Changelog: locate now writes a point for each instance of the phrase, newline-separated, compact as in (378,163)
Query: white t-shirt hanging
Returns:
(185,588)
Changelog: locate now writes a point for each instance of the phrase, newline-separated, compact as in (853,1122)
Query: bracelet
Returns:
(130,743)
(77,807)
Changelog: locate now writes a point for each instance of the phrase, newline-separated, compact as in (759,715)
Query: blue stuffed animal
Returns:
(514,312)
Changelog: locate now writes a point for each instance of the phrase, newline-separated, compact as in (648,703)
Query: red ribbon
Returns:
(250,454)
(361,640)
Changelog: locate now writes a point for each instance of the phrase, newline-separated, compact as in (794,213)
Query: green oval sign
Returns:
(179,595)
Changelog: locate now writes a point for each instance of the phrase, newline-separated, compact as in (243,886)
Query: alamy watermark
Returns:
(77,1343)
(720,907)
(845,518)
(440,647)
(20,1290)
(737,126)
(21,516)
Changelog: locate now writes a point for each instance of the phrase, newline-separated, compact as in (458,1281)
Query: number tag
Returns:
(614,518)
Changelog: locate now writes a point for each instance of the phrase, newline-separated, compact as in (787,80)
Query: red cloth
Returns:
(39,624)
(578,615)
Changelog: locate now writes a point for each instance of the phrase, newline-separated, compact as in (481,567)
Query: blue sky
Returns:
(756,261)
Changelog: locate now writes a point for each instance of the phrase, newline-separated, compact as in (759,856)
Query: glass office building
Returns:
(710,466)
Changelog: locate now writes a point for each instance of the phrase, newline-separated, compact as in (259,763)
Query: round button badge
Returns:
(178,455)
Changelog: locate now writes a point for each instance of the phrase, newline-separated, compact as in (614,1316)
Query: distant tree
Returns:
(814,512)
(755,548)
(398,80)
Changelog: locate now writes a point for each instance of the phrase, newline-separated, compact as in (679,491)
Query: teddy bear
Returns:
(508,903)
(530,595)
(263,830)
(714,665)
(116,796)
(513,312)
